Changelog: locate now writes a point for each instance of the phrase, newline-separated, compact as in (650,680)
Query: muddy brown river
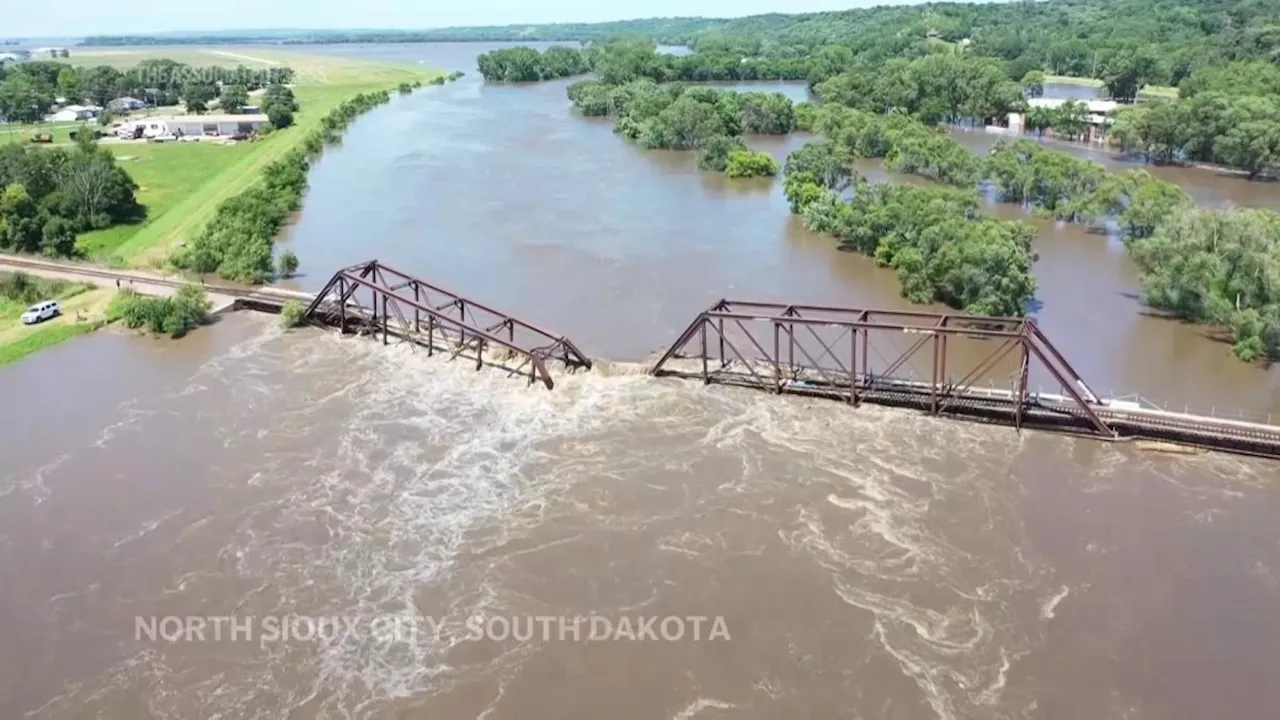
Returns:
(429,534)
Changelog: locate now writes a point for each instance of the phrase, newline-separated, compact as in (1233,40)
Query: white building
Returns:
(205,125)
(75,113)
(1099,112)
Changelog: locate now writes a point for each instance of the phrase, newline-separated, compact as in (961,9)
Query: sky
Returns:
(74,18)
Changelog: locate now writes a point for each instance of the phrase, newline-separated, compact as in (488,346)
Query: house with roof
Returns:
(75,113)
(125,104)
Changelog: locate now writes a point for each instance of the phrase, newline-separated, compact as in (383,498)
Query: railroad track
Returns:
(91,271)
(999,407)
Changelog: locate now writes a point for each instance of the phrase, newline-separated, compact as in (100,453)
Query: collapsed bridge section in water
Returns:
(413,310)
(950,365)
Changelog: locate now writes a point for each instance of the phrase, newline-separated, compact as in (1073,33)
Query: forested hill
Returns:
(1066,36)
(666,30)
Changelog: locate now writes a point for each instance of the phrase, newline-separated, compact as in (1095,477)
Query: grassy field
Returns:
(166,174)
(23,133)
(82,308)
(182,183)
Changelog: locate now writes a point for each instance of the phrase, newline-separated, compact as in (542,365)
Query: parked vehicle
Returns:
(42,138)
(166,137)
(40,312)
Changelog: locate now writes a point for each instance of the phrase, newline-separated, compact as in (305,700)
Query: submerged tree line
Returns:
(1212,266)
(682,117)
(1227,115)
(886,106)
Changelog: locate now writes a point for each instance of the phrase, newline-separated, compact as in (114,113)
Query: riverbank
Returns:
(82,307)
(85,293)
(182,184)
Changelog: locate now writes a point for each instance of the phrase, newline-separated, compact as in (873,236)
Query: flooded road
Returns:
(870,563)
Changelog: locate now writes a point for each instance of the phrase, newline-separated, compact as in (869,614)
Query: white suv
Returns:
(40,312)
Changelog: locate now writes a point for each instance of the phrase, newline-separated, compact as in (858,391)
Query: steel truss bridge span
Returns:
(426,315)
(990,369)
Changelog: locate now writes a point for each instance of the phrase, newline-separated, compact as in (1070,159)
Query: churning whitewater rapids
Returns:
(864,563)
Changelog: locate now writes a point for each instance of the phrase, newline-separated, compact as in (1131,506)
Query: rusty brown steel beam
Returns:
(925,314)
(385,285)
(852,381)
(868,325)
(461,327)
(991,360)
(485,308)
(817,366)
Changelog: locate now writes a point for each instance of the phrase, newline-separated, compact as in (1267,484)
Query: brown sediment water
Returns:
(865,563)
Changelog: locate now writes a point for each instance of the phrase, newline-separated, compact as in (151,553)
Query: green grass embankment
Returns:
(80,306)
(182,184)
(38,340)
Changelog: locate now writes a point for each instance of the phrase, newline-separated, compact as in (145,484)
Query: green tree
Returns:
(288,264)
(1033,83)
(510,65)
(234,99)
(1072,119)
(684,125)
(1220,267)
(1126,73)
(69,85)
(281,95)
(197,96)
(101,84)
(715,152)
(1040,119)
(24,100)
(280,116)
(745,163)
(291,314)
(100,192)
(802,190)
(58,237)
(1253,146)
(20,227)
(824,163)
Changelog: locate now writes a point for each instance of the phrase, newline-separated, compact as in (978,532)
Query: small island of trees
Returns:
(884,86)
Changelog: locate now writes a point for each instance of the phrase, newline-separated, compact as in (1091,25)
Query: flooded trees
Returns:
(715,152)
(1253,146)
(524,64)
(934,238)
(745,163)
(1220,267)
